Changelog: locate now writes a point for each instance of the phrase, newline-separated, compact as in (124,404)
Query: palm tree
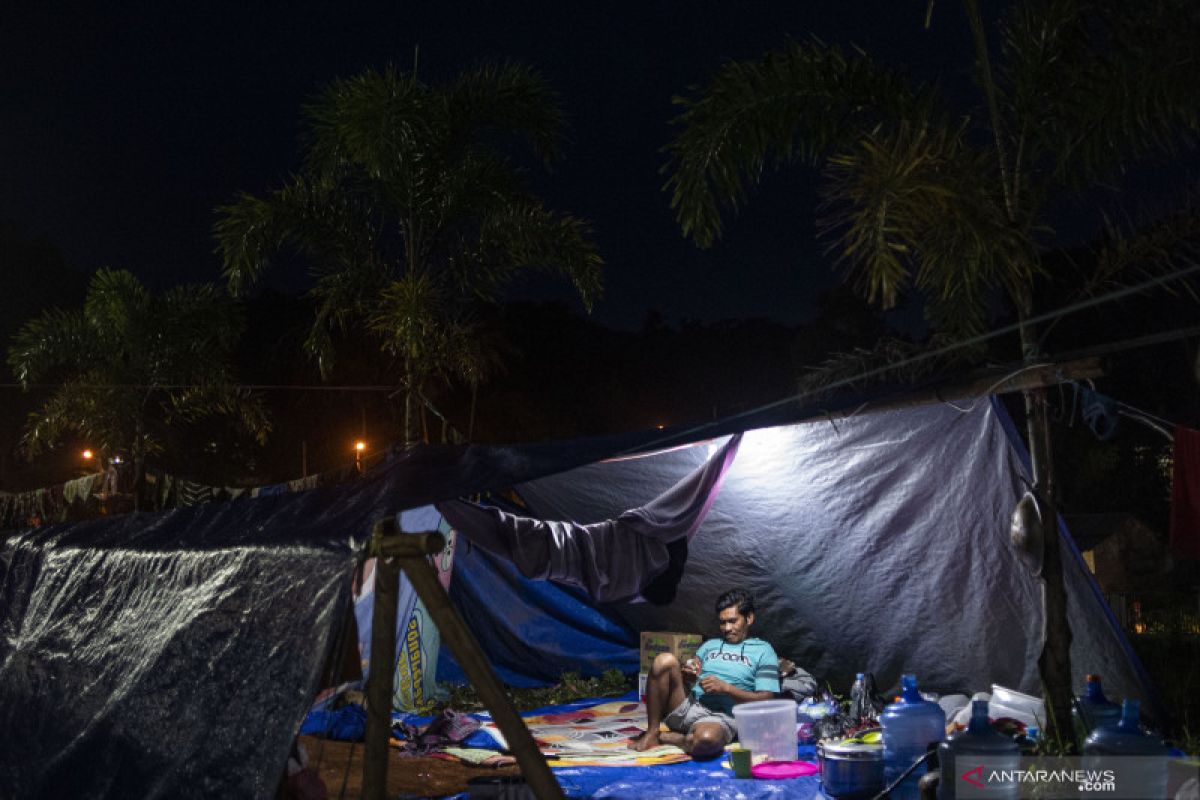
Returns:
(955,204)
(408,209)
(130,366)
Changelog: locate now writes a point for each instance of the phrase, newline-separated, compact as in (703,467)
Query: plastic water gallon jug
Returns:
(910,725)
(1093,710)
(979,747)
(1145,772)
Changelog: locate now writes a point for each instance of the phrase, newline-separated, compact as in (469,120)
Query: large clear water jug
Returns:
(1093,710)
(987,757)
(909,725)
(1136,758)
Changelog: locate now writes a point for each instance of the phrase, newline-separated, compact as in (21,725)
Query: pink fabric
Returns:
(1185,494)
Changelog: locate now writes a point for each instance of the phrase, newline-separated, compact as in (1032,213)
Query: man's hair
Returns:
(737,597)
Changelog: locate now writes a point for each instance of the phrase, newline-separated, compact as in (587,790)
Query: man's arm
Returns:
(714,685)
(766,681)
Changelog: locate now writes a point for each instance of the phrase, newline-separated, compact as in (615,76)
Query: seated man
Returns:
(696,699)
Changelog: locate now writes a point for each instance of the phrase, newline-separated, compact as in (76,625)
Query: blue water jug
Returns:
(983,755)
(909,725)
(1147,772)
(1093,710)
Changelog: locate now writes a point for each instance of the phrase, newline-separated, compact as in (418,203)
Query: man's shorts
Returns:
(691,711)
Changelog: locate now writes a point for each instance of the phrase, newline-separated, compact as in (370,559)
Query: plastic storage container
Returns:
(767,728)
(978,746)
(1017,705)
(910,725)
(1147,772)
(1093,710)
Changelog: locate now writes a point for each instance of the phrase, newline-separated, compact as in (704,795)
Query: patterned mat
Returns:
(597,736)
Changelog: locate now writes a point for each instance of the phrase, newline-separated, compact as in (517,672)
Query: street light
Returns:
(87,455)
(359,448)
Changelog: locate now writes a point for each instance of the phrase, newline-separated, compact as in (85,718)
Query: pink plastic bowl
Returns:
(772,770)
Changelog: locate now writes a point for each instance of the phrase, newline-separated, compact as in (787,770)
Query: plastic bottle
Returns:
(1028,741)
(979,746)
(858,700)
(1147,772)
(1093,710)
(910,725)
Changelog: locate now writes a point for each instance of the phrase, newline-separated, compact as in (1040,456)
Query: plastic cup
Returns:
(740,760)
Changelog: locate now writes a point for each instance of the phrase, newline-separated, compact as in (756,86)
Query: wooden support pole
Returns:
(411,552)
(379,679)
(982,385)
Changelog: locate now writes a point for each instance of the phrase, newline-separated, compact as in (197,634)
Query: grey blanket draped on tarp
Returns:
(612,560)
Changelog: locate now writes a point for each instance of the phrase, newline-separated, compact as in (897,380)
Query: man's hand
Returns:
(690,671)
(711,684)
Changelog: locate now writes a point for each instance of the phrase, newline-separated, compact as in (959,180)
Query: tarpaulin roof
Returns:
(877,544)
(175,654)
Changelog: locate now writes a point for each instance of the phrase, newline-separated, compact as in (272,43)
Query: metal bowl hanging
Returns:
(1027,533)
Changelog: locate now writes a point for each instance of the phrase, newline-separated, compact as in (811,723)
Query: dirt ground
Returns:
(340,767)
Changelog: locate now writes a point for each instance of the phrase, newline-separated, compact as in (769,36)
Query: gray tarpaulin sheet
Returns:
(174,655)
(612,559)
(144,669)
(880,544)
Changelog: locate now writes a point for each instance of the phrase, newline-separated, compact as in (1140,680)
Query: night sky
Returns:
(124,126)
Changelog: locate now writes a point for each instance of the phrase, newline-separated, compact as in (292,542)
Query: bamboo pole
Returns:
(379,679)
(982,385)
(411,552)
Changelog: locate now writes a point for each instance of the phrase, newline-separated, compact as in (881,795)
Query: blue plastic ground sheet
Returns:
(694,780)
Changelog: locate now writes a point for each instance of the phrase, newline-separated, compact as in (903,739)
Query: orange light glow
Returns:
(87,455)
(360,445)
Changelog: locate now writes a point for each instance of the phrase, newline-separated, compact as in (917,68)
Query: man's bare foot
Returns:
(644,742)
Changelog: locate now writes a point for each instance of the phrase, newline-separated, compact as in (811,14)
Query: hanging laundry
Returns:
(1185,494)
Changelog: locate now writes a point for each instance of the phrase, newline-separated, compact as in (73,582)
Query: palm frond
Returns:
(528,237)
(196,321)
(1138,253)
(55,340)
(888,361)
(115,301)
(325,225)
(909,205)
(130,363)
(794,105)
(88,406)
(510,98)
(410,321)
(379,122)
(1095,84)
(474,356)
(246,407)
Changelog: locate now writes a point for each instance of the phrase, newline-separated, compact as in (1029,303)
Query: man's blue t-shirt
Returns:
(750,665)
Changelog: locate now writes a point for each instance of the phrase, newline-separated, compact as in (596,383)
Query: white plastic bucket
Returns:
(767,728)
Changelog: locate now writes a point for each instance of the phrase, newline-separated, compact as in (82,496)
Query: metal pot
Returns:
(851,771)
